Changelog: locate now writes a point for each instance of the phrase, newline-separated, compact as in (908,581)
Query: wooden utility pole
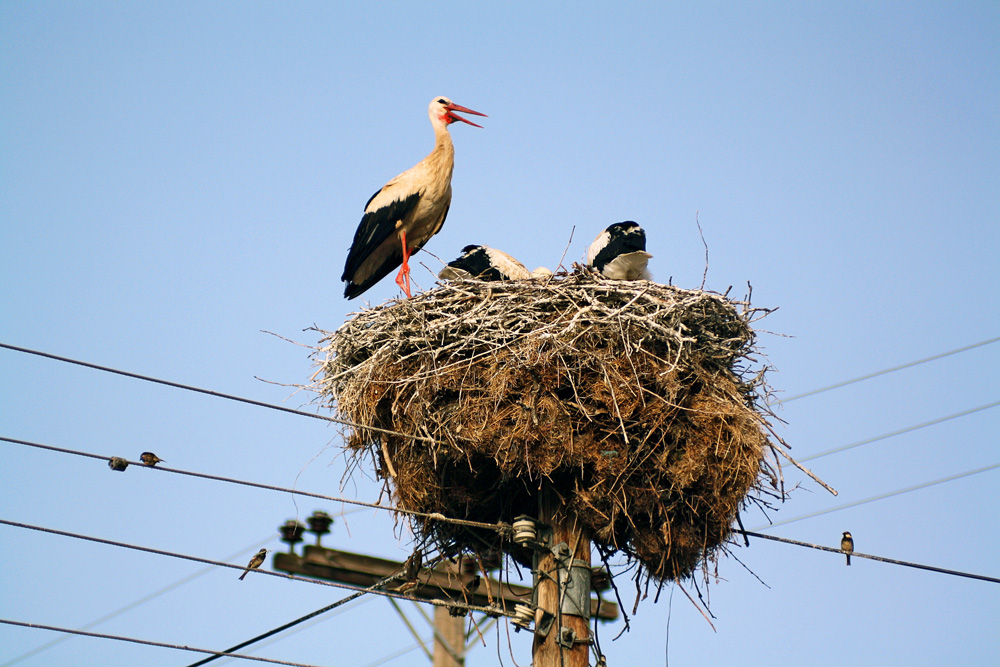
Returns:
(563,590)
(450,629)
(442,583)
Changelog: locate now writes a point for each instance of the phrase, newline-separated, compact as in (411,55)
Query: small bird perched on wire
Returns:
(482,262)
(150,459)
(406,588)
(619,252)
(847,544)
(255,562)
(411,568)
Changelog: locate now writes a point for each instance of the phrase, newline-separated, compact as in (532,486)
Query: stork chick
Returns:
(619,252)
(407,211)
(482,262)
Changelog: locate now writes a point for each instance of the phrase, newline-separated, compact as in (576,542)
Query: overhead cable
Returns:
(131,605)
(855,554)
(371,589)
(887,370)
(315,621)
(433,516)
(147,642)
(492,611)
(218,394)
(901,431)
(890,494)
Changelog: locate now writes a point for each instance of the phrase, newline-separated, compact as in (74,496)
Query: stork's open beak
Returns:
(455,107)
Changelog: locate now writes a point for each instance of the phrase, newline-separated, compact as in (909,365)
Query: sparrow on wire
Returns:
(150,459)
(847,544)
(255,562)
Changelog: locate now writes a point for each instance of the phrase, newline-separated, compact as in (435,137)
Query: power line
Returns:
(396,654)
(218,394)
(148,642)
(492,611)
(302,619)
(144,599)
(131,605)
(432,441)
(437,516)
(900,431)
(888,370)
(316,621)
(376,429)
(890,494)
(371,589)
(855,554)
(501,528)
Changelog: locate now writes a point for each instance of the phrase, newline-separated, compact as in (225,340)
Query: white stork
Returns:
(619,252)
(482,262)
(408,210)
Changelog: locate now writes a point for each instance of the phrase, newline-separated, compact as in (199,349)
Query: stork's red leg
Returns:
(403,277)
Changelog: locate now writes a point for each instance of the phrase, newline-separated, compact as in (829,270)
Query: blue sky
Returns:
(177,178)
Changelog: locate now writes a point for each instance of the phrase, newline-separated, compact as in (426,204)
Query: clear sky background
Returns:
(178,177)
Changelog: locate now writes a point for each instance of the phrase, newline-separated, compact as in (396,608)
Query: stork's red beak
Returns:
(455,107)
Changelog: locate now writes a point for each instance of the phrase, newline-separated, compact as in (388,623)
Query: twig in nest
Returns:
(287,340)
(804,469)
(566,249)
(696,606)
(704,275)
(387,458)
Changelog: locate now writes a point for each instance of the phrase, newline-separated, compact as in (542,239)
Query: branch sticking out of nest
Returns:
(634,400)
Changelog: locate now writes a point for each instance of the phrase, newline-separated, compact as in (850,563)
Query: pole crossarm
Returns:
(433,584)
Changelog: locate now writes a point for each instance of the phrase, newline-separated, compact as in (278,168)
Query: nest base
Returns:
(633,401)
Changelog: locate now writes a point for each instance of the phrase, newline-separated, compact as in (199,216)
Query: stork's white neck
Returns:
(443,155)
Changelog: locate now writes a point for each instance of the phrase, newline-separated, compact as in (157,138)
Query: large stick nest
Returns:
(634,401)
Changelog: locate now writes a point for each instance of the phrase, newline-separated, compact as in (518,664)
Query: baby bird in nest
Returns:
(619,252)
(482,262)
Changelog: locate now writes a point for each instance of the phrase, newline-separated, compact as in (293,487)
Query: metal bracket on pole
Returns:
(544,624)
(567,638)
(574,586)
(562,553)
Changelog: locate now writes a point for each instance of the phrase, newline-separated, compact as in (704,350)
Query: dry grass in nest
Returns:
(633,400)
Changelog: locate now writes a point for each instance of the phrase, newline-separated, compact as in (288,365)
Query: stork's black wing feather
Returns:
(376,226)
(373,197)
